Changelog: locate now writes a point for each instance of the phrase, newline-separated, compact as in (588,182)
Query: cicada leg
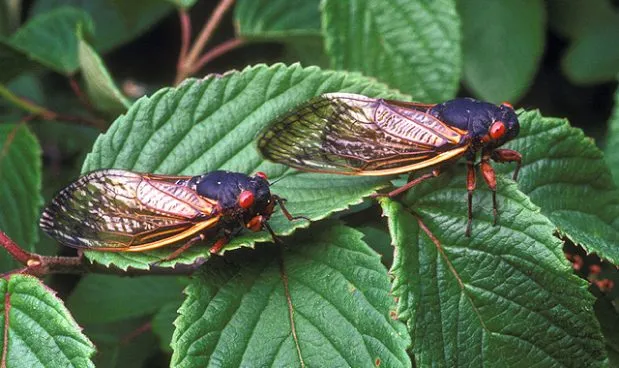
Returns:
(507,155)
(490,177)
(470,187)
(181,249)
(410,184)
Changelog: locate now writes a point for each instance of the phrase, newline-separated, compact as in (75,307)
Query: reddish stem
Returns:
(81,96)
(205,34)
(135,333)
(216,52)
(15,250)
(207,30)
(185,21)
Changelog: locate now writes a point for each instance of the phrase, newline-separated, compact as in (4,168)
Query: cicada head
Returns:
(242,198)
(503,127)
(489,126)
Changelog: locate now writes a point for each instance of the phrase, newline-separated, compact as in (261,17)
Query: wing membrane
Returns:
(357,135)
(118,210)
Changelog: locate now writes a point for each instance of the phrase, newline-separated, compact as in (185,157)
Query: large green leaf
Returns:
(210,124)
(51,38)
(38,329)
(503,43)
(163,324)
(612,141)
(411,45)
(505,296)
(322,300)
(124,344)
(20,186)
(564,173)
(573,18)
(101,89)
(277,19)
(116,22)
(99,299)
(14,62)
(591,58)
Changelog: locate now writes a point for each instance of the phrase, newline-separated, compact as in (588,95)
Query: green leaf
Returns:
(589,59)
(101,299)
(503,44)
(117,22)
(573,18)
(102,91)
(184,4)
(51,39)
(14,62)
(209,124)
(163,324)
(39,332)
(124,344)
(564,173)
(277,19)
(306,50)
(612,141)
(411,45)
(506,296)
(20,186)
(322,300)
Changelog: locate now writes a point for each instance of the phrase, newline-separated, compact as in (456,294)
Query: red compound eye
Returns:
(497,130)
(262,175)
(508,105)
(246,199)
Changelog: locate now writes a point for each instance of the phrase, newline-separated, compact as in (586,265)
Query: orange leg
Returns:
(181,249)
(470,187)
(410,184)
(507,155)
(489,176)
(220,243)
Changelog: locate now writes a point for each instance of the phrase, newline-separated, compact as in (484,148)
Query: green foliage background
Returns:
(350,287)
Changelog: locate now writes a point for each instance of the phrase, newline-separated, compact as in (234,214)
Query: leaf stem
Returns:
(215,52)
(46,114)
(185,67)
(185,22)
(15,250)
(207,31)
(26,105)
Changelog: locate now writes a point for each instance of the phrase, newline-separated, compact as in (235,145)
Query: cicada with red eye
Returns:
(356,135)
(123,211)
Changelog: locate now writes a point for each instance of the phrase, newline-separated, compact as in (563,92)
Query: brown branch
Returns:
(39,266)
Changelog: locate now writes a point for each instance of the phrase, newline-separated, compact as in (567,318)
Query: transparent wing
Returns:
(116,209)
(357,135)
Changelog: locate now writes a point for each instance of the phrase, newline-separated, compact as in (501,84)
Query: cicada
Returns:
(356,135)
(123,211)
